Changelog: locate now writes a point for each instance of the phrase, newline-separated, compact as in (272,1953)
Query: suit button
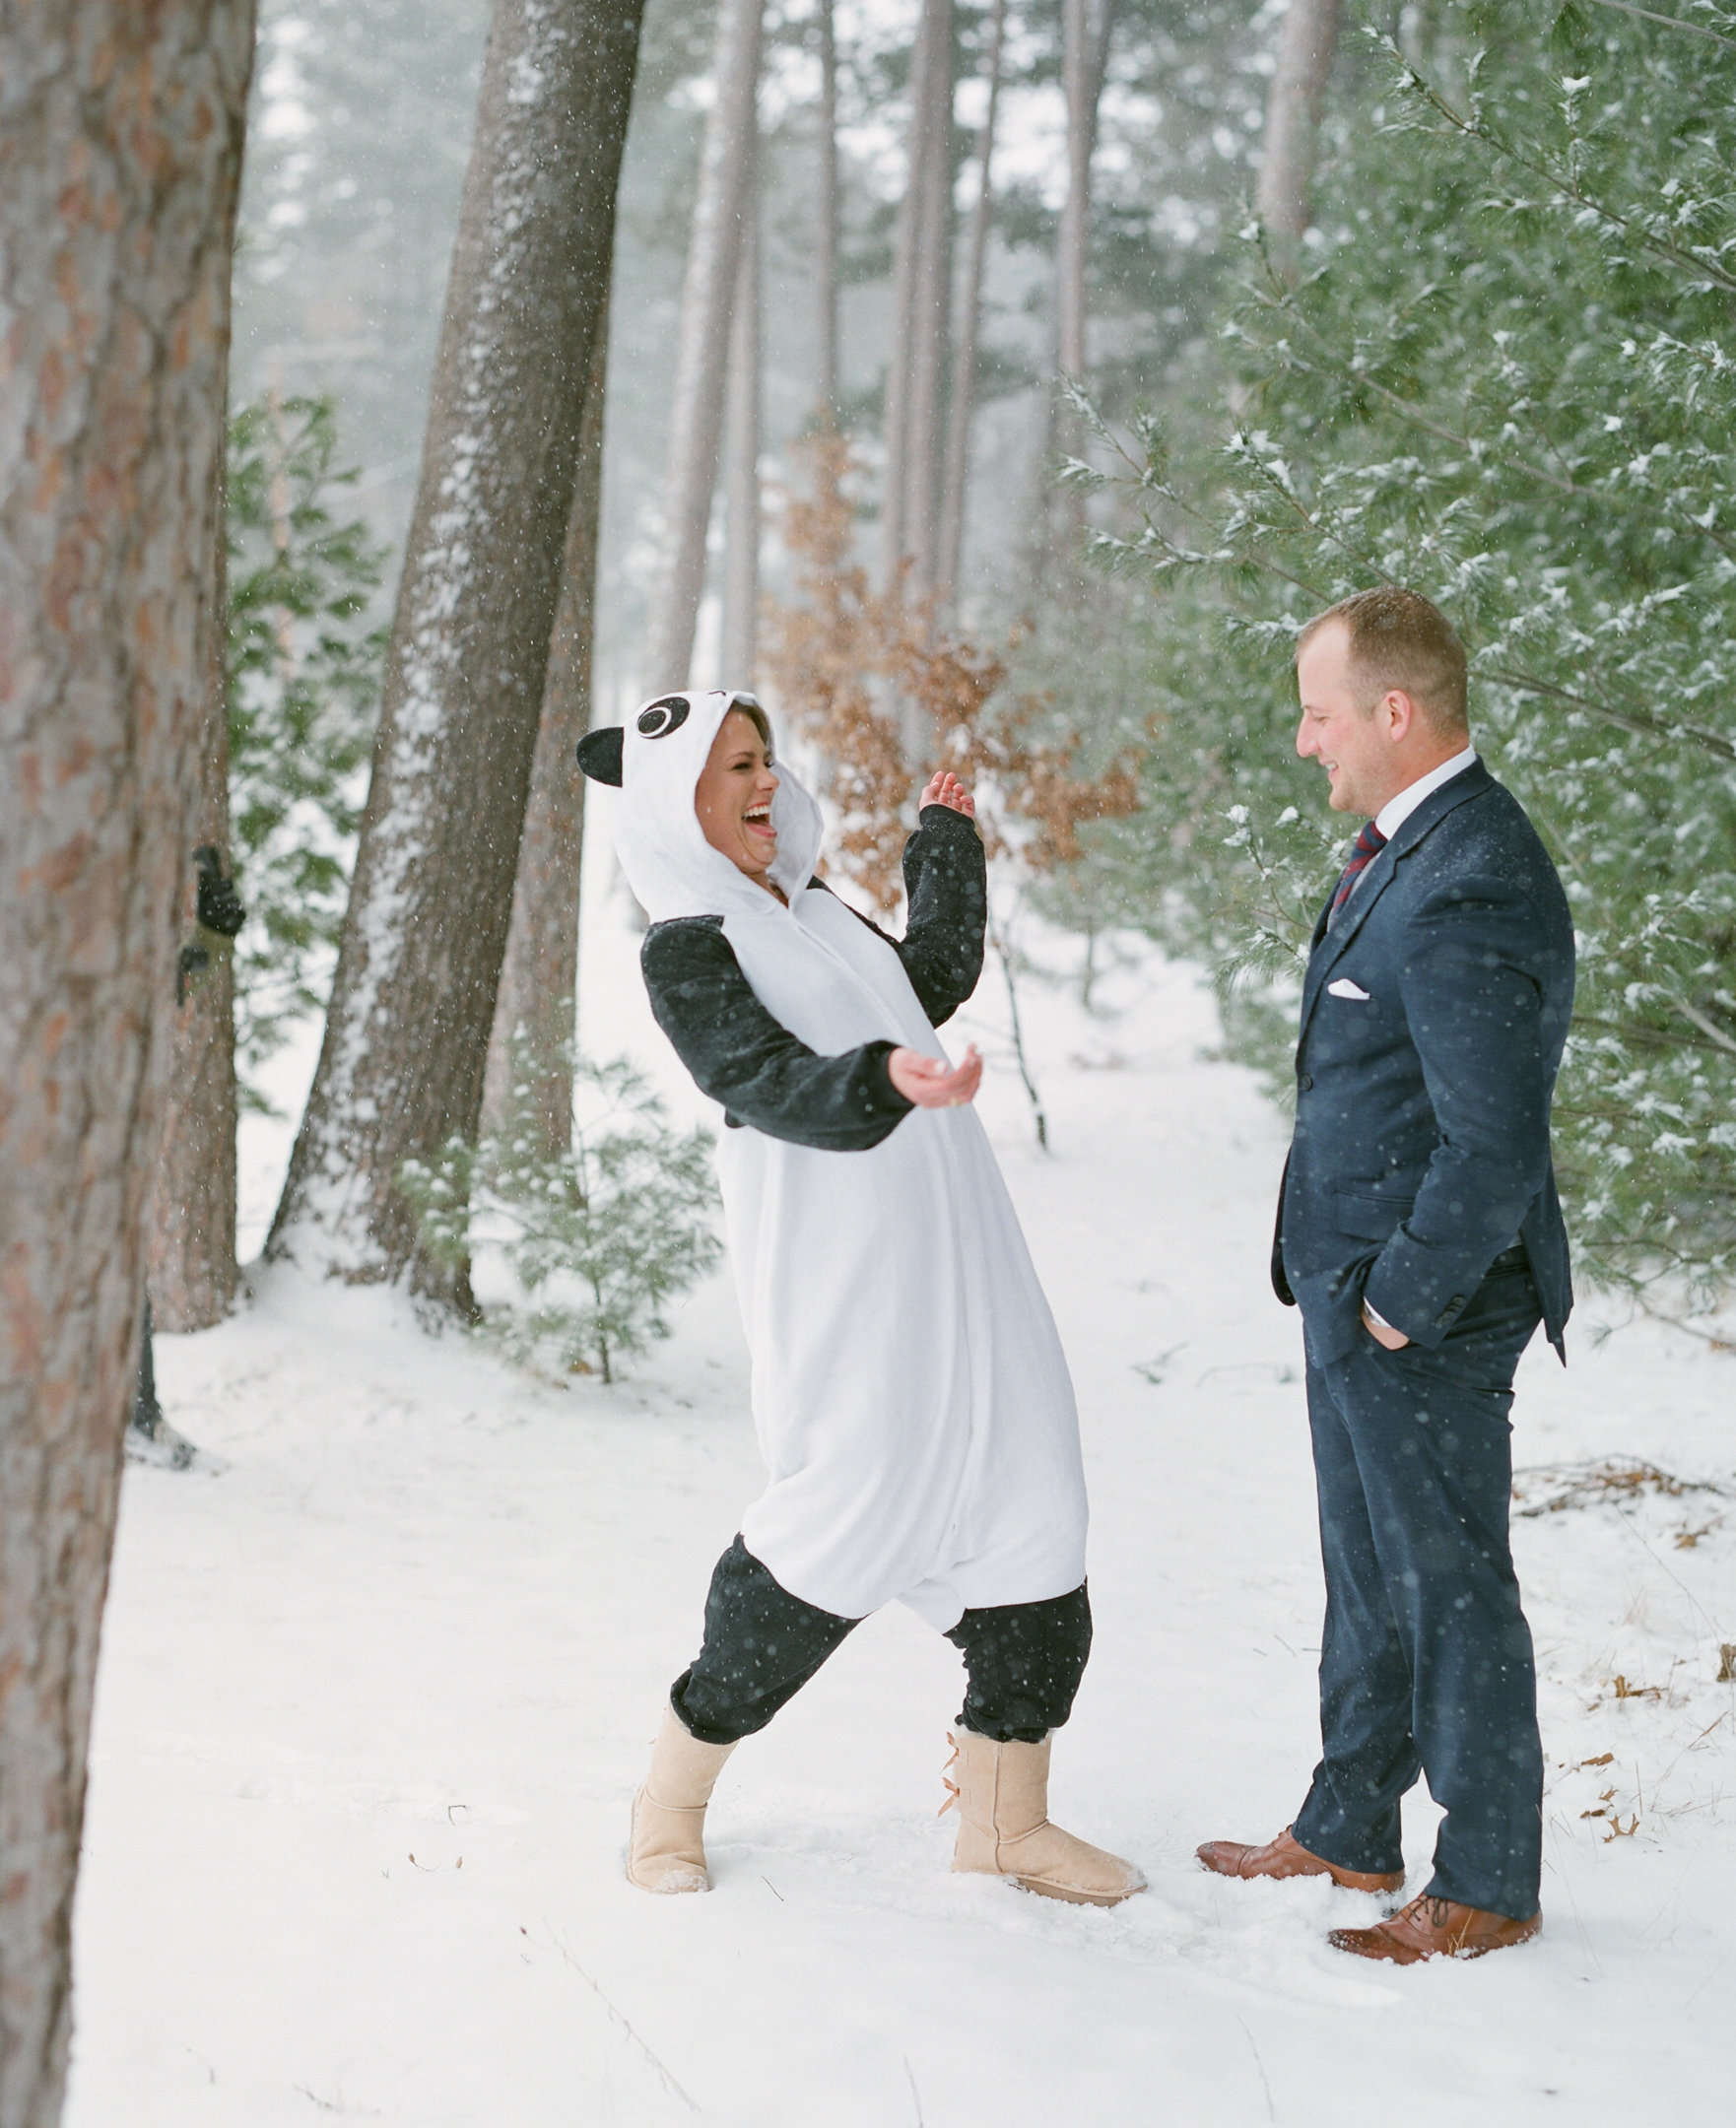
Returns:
(1303,1081)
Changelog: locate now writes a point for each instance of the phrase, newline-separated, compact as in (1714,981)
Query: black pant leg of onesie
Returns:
(762,1646)
(1024,1663)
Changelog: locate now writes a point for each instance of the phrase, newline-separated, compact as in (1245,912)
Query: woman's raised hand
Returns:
(931,1082)
(944,789)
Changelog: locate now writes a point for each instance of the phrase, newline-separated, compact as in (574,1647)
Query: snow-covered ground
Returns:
(379,1677)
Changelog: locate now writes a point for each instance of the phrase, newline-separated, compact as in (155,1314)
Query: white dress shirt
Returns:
(1396,811)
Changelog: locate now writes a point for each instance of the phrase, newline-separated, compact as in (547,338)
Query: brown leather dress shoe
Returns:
(1286,1857)
(1435,1928)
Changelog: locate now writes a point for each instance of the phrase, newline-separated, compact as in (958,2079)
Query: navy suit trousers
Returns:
(1426,1660)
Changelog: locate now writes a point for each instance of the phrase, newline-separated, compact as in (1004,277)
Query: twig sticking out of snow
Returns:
(1265,2086)
(669,2084)
(1549,1487)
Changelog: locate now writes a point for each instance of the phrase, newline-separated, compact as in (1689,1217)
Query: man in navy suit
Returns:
(1420,1232)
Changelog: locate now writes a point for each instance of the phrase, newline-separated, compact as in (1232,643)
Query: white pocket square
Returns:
(1344,987)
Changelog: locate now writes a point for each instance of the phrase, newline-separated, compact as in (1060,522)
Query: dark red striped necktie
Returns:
(1368,845)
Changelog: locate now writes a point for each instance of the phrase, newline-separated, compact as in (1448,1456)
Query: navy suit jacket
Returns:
(1422,1118)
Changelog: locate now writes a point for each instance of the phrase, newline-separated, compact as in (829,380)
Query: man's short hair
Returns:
(1397,640)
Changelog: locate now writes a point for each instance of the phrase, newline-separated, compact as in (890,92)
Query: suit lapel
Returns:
(1318,960)
(1328,944)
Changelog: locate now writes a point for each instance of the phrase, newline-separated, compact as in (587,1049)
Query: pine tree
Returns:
(1307,41)
(963,384)
(742,423)
(190,1267)
(695,416)
(921,303)
(826,219)
(538,992)
(424,933)
(119,165)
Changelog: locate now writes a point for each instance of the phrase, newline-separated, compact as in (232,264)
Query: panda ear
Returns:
(599,755)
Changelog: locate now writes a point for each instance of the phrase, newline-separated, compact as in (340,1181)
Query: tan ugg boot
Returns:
(667,1849)
(1004,1828)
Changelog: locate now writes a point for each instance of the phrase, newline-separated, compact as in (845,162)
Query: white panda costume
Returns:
(909,1392)
(912,1403)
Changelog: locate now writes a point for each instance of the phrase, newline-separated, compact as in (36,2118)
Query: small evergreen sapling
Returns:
(303,671)
(598,1239)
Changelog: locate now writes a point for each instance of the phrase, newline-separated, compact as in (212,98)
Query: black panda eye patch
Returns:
(659,718)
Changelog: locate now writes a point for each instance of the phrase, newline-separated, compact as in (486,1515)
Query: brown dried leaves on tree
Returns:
(842,656)
(826,659)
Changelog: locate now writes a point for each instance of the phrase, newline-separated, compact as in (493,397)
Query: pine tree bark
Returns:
(539,976)
(958,419)
(190,1227)
(741,580)
(1306,42)
(419,965)
(921,289)
(1079,27)
(695,416)
(925,446)
(119,165)
(1085,27)
(826,227)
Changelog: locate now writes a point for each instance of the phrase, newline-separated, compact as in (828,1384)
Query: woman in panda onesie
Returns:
(910,1397)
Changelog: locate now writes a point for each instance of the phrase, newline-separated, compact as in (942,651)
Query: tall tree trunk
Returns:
(826,229)
(419,965)
(924,444)
(191,1229)
(1079,25)
(120,163)
(695,416)
(741,582)
(952,513)
(1085,27)
(539,976)
(920,253)
(1305,44)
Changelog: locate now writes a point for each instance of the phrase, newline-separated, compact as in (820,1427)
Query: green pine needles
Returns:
(1507,379)
(597,1240)
(302,668)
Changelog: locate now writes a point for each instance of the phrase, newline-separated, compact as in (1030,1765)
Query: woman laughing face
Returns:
(733,797)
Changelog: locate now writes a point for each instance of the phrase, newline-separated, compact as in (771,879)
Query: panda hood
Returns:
(656,759)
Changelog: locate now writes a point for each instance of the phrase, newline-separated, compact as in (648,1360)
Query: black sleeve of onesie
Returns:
(946,888)
(946,881)
(743,1057)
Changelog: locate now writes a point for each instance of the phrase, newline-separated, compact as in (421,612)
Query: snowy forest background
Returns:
(1488,358)
(358,140)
